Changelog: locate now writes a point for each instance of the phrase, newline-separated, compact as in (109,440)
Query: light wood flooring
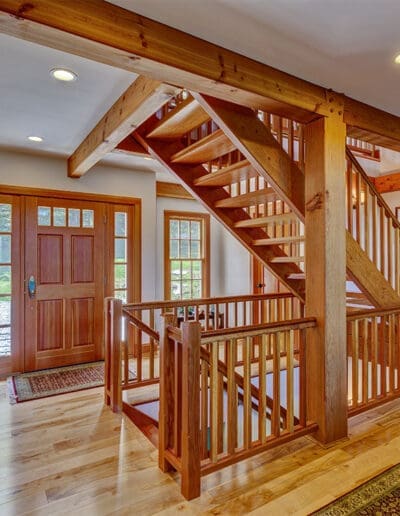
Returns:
(71,455)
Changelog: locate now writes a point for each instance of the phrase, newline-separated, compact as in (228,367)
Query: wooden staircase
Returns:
(247,169)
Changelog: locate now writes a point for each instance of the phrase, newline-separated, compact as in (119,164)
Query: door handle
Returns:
(31,286)
(260,285)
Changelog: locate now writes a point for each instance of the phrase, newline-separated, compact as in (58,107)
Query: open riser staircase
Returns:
(247,168)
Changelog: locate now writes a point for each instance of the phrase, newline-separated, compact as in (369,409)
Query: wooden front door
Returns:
(64,282)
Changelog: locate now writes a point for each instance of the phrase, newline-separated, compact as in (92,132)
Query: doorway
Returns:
(60,257)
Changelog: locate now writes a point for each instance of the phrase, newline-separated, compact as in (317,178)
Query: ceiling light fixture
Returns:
(64,75)
(397,59)
(36,139)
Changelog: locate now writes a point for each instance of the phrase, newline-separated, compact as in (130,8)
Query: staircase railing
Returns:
(373,351)
(211,414)
(372,223)
(136,358)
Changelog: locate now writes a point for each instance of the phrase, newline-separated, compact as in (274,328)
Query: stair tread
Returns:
(287,259)
(240,171)
(278,240)
(248,199)
(208,148)
(264,221)
(185,117)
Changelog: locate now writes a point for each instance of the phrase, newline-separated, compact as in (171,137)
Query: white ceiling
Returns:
(346,45)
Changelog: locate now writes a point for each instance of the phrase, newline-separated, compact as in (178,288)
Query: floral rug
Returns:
(50,382)
(378,496)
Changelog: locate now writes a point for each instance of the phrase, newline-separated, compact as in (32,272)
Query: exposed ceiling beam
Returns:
(103,32)
(97,30)
(143,98)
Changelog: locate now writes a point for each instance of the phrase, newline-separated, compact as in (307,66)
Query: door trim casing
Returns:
(17,362)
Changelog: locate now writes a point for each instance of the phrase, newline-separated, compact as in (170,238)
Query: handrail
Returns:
(257,329)
(376,312)
(142,326)
(361,171)
(207,300)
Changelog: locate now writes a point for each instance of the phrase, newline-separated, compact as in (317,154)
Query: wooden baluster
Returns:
(349,193)
(232,398)
(358,209)
(290,139)
(220,425)
(382,239)
(374,357)
(190,437)
(397,259)
(152,346)
(290,383)
(276,405)
(397,347)
(204,408)
(391,361)
(226,315)
(262,390)
(389,251)
(167,393)
(303,378)
(247,408)
(374,232)
(365,382)
(214,402)
(383,354)
(366,220)
(354,363)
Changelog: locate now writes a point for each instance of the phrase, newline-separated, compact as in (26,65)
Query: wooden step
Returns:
(287,259)
(296,276)
(208,148)
(279,241)
(240,171)
(248,199)
(188,115)
(264,221)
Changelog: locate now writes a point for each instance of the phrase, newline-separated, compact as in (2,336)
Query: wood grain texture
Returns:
(174,190)
(143,98)
(93,461)
(256,142)
(326,277)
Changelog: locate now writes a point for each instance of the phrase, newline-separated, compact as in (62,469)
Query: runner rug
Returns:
(378,496)
(50,382)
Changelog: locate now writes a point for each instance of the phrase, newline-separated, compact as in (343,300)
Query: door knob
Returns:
(260,285)
(31,286)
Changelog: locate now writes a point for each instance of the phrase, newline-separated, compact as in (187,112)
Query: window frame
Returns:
(204,219)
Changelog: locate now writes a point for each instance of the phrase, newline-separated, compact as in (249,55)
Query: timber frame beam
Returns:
(143,98)
(103,32)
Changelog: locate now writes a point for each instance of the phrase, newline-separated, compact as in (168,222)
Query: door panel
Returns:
(65,242)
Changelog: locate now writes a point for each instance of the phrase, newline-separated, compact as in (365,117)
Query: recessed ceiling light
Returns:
(37,139)
(397,59)
(64,75)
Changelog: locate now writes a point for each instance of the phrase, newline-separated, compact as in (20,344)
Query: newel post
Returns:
(191,335)
(325,209)
(112,359)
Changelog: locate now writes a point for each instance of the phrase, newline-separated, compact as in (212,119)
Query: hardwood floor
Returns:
(71,455)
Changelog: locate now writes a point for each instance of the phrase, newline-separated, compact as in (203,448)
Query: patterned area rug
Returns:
(50,382)
(378,496)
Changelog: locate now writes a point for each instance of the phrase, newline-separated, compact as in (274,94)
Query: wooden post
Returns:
(167,374)
(191,446)
(326,272)
(112,365)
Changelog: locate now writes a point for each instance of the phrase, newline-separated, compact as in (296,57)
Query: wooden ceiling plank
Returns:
(143,98)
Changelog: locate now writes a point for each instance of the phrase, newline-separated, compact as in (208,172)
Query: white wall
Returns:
(38,171)
(230,262)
